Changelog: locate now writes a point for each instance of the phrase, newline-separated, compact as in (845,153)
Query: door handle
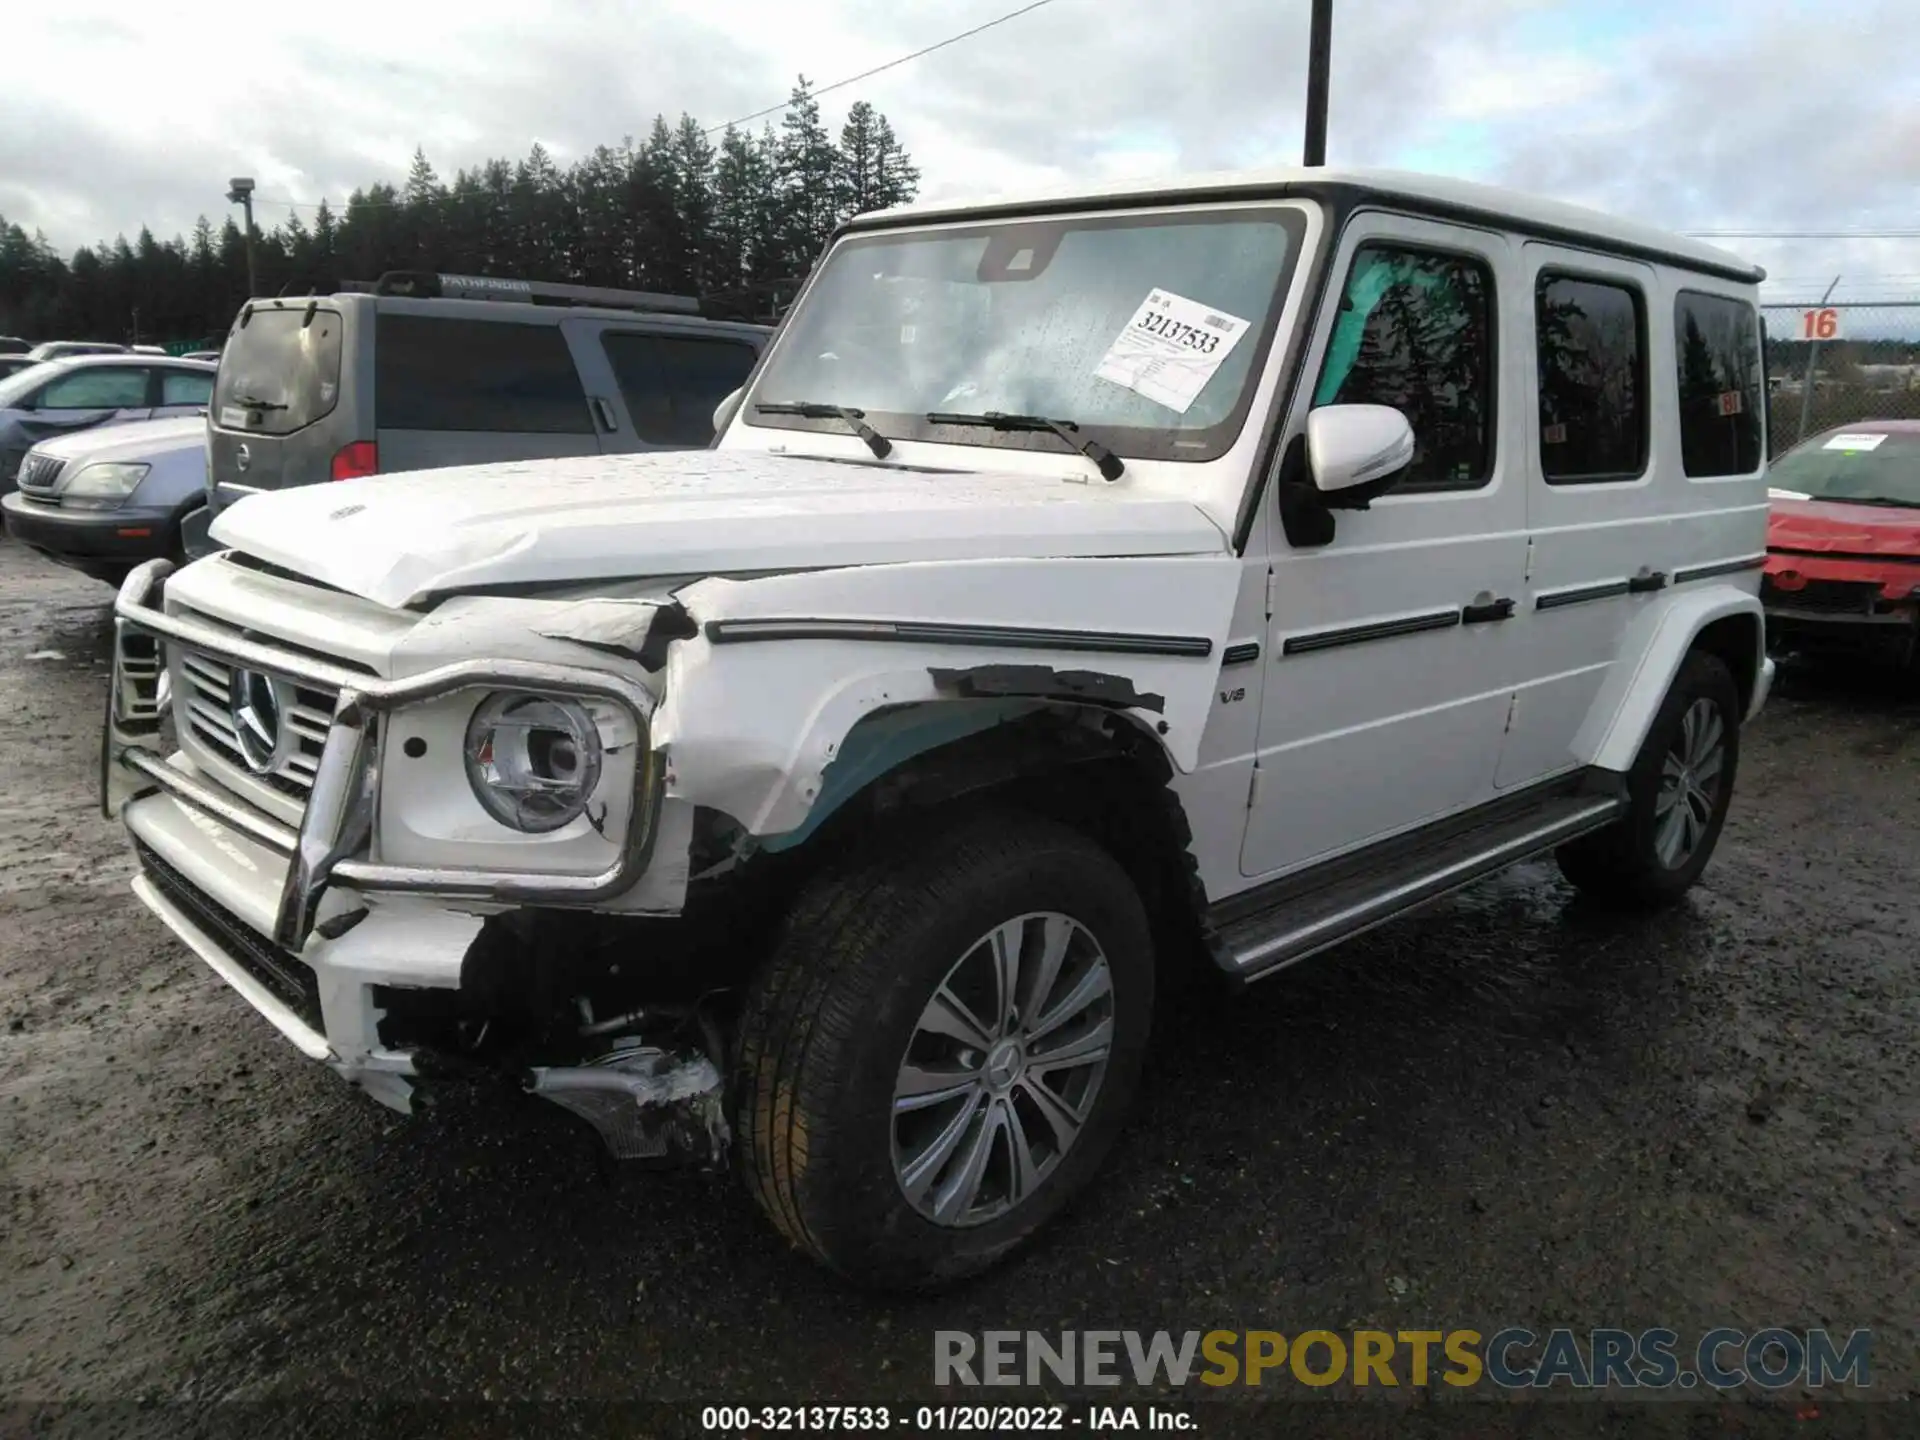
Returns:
(1481,611)
(603,412)
(1646,581)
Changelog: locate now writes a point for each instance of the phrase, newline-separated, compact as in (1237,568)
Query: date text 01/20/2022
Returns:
(972,1419)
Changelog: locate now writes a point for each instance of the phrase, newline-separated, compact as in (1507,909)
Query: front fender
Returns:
(759,702)
(1651,653)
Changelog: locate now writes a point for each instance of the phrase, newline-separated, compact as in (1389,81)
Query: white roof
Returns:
(1529,210)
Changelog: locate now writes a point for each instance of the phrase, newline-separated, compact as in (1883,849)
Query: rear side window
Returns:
(440,374)
(280,370)
(1415,331)
(672,383)
(184,387)
(1591,336)
(96,389)
(1718,343)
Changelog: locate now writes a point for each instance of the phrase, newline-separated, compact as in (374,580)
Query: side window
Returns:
(441,374)
(96,389)
(1591,336)
(671,383)
(1717,341)
(185,387)
(1415,331)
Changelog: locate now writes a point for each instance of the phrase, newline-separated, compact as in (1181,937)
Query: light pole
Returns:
(240,192)
(1319,63)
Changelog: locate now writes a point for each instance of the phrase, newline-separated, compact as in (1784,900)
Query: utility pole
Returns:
(1319,64)
(240,192)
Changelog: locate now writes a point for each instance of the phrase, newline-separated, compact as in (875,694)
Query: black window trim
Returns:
(1338,205)
(1338,292)
(1643,337)
(1752,304)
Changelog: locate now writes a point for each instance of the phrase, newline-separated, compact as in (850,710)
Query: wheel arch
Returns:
(1099,770)
(1723,620)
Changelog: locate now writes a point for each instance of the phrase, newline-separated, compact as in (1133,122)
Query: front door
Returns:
(1390,665)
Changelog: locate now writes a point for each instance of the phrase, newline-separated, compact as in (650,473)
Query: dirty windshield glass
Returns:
(1143,329)
(1874,467)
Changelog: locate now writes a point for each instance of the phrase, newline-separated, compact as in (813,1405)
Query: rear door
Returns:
(457,390)
(275,399)
(665,382)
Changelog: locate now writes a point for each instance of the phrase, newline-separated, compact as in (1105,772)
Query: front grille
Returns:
(204,705)
(38,472)
(287,978)
(1825,597)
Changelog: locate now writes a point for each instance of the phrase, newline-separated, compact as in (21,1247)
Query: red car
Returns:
(1843,542)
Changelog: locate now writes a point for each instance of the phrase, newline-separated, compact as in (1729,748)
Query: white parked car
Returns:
(1081,587)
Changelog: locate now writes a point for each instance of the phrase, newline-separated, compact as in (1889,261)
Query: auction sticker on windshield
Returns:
(1170,349)
(1855,442)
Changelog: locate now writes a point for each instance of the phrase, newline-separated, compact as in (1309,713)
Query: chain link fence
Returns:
(1838,364)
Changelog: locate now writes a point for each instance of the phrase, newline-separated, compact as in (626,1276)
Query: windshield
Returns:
(1142,329)
(17,386)
(1853,465)
(280,371)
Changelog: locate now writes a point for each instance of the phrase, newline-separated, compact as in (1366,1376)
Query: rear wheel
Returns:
(1677,795)
(942,1048)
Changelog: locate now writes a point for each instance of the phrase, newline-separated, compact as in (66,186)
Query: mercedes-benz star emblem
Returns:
(258,704)
(242,458)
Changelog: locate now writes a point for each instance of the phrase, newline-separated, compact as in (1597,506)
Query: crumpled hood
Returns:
(396,539)
(1833,526)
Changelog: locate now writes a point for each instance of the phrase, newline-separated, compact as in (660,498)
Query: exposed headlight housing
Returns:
(533,760)
(102,486)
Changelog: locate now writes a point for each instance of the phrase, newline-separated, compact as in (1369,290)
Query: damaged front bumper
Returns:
(333,843)
(307,923)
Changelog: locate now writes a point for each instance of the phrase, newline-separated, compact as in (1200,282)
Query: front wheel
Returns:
(1677,795)
(943,1047)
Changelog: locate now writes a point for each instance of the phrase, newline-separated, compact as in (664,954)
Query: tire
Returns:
(1653,855)
(844,1002)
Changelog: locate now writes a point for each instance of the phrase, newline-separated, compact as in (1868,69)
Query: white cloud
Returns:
(1731,112)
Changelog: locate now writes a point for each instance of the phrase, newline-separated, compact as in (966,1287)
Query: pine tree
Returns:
(740,222)
(807,167)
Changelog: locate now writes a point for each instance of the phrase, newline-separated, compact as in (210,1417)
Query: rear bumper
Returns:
(88,539)
(323,997)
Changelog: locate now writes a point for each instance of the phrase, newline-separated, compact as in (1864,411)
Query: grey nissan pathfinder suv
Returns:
(422,371)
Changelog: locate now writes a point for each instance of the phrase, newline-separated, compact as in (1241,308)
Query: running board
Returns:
(1308,920)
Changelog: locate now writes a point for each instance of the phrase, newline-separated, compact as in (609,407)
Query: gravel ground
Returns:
(1508,1110)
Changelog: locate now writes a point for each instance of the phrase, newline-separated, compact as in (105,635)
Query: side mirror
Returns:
(1357,452)
(723,412)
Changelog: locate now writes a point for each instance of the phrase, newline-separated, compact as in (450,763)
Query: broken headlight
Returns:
(533,761)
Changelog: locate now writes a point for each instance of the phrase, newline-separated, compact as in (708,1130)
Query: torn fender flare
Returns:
(1043,682)
(760,702)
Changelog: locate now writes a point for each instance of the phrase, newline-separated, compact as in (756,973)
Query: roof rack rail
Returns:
(429,285)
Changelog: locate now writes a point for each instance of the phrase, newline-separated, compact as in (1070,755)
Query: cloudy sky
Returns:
(1716,114)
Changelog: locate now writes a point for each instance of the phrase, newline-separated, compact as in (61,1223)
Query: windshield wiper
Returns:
(856,420)
(1108,463)
(247,402)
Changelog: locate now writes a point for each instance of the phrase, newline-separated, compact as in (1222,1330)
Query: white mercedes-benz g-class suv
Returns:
(1080,588)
